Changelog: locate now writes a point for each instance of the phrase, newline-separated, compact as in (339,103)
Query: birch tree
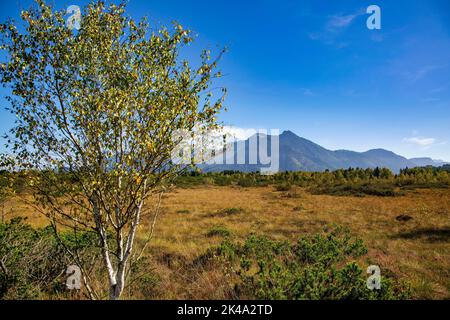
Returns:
(96,110)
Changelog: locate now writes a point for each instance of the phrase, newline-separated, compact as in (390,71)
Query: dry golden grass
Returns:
(417,250)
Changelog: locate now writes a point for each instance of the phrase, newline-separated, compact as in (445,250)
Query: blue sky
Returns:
(314,68)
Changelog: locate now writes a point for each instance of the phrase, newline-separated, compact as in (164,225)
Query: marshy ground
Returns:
(408,236)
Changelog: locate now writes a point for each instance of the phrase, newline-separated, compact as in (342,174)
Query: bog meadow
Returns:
(238,235)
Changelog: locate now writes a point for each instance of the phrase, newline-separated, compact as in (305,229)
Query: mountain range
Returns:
(299,154)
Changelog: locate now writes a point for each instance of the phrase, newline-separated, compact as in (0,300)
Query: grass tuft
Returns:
(218,231)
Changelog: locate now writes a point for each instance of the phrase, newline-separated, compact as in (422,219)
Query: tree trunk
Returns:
(117,286)
(102,233)
(117,289)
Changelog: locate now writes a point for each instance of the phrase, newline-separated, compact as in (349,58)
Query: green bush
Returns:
(219,230)
(229,211)
(23,253)
(316,267)
(246,182)
(189,181)
(224,180)
(283,187)
(380,190)
(33,260)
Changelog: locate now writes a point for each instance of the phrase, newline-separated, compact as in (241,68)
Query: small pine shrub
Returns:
(320,266)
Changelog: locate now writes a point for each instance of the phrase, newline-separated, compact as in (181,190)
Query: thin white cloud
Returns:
(333,28)
(314,36)
(440,89)
(431,100)
(350,93)
(307,92)
(422,142)
(420,72)
(237,133)
(338,22)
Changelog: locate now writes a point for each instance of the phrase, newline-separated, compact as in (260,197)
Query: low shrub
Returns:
(229,211)
(315,267)
(219,230)
(246,182)
(381,190)
(283,187)
(223,180)
(33,260)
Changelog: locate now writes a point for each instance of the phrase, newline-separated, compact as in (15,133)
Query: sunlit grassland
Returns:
(417,250)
